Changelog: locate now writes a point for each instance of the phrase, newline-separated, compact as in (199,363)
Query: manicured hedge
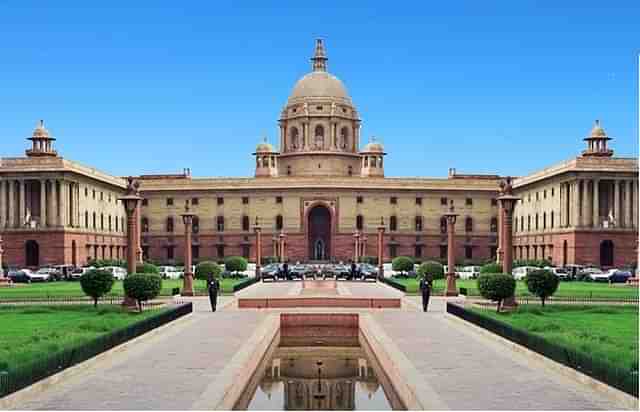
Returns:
(391,282)
(245,283)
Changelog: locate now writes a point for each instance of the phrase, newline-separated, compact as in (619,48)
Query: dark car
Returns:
(270,271)
(19,276)
(299,271)
(368,271)
(619,276)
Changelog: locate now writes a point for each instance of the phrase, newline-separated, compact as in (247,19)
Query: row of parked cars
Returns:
(569,272)
(301,271)
(58,272)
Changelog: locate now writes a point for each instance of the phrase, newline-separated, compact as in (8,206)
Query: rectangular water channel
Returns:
(319,362)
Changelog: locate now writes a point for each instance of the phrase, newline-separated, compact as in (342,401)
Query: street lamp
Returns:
(451,216)
(507,203)
(187,219)
(282,238)
(258,230)
(131,200)
(356,237)
(381,229)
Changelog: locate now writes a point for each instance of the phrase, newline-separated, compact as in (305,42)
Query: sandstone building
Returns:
(317,189)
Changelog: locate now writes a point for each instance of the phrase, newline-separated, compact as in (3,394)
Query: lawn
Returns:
(565,289)
(605,332)
(29,332)
(73,289)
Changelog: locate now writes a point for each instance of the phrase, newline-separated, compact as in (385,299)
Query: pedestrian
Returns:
(214,290)
(285,270)
(354,269)
(425,289)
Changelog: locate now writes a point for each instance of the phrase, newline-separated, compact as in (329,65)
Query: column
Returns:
(575,206)
(21,207)
(62,203)
(334,142)
(563,211)
(187,288)
(596,203)
(305,135)
(587,204)
(616,202)
(258,252)
(11,221)
(629,204)
(43,203)
(380,250)
(500,233)
(3,205)
(634,211)
(452,289)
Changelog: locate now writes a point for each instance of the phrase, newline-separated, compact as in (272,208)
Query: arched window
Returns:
(94,220)
(116,219)
(220,223)
(279,222)
(195,225)
(522,223)
(359,222)
(544,220)
(494,225)
(468,224)
(537,227)
(350,171)
(552,219)
(443,224)
(101,221)
(319,137)
(170,224)
(393,224)
(344,138)
(528,223)
(245,223)
(109,220)
(86,219)
(418,223)
(294,136)
(144,222)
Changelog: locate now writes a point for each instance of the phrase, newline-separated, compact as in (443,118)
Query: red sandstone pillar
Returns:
(187,218)
(508,202)
(131,201)
(356,237)
(452,289)
(381,248)
(258,249)
(499,255)
(282,247)
(137,227)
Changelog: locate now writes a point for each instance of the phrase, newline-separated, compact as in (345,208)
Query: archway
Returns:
(319,224)
(32,253)
(606,253)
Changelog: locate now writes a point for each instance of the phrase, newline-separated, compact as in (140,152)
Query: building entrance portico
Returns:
(319,233)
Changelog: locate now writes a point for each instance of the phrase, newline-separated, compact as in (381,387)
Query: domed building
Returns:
(321,195)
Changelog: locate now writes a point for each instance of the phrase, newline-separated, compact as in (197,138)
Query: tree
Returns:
(433,270)
(96,283)
(235,264)
(402,264)
(542,283)
(147,268)
(496,287)
(142,286)
(207,269)
(491,268)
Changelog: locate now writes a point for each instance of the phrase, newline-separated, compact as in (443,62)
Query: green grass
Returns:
(31,332)
(73,289)
(565,289)
(605,332)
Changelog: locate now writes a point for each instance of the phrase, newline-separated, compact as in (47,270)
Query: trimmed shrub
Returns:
(491,268)
(100,263)
(433,270)
(402,264)
(496,286)
(539,263)
(207,269)
(542,283)
(372,260)
(142,286)
(147,268)
(96,283)
(235,264)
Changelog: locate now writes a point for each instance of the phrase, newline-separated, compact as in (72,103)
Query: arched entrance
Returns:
(32,253)
(319,224)
(606,253)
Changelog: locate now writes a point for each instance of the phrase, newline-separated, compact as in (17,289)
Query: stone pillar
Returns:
(64,203)
(452,289)
(258,251)
(616,202)
(500,234)
(507,265)
(634,211)
(43,203)
(138,216)
(282,247)
(587,204)
(563,212)
(356,246)
(305,135)
(22,199)
(11,221)
(380,250)
(3,204)
(596,203)
(629,204)
(334,141)
(363,246)
(187,288)
(575,206)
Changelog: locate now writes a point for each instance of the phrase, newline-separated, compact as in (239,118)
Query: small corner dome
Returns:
(373,147)
(264,147)
(40,130)
(597,130)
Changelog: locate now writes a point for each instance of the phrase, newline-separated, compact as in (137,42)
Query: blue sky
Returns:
(485,87)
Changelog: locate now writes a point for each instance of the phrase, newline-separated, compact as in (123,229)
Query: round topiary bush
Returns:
(142,286)
(235,264)
(542,283)
(433,270)
(207,269)
(96,283)
(496,287)
(147,268)
(491,268)
(402,264)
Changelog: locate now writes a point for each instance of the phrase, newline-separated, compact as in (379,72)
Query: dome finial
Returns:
(319,58)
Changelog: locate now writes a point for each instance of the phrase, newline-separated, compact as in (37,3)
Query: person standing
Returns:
(214,290)
(354,269)
(425,289)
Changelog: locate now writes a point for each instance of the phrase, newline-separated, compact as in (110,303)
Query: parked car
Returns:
(619,276)
(574,270)
(170,272)
(561,273)
(65,271)
(468,272)
(368,271)
(48,274)
(342,271)
(270,271)
(119,273)
(599,277)
(20,275)
(521,272)
(76,274)
(583,274)
(299,271)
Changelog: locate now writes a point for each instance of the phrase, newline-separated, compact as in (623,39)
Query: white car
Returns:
(599,276)
(117,272)
(561,273)
(170,272)
(39,276)
(468,272)
(521,272)
(48,274)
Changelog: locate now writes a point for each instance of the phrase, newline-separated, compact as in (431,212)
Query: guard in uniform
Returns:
(425,289)
(214,289)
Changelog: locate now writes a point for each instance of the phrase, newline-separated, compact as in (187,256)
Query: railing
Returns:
(70,300)
(624,379)
(25,375)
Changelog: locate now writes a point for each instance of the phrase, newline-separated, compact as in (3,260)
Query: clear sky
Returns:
(486,87)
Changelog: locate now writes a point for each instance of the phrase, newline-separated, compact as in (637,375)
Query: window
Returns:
(145,202)
(195,225)
(536,221)
(288,170)
(220,200)
(195,201)
(101,195)
(170,224)
(122,223)
(544,194)
(279,222)
(468,252)
(94,220)
(418,251)
(494,202)
(394,200)
(110,227)
(245,223)
(418,223)
(278,199)
(195,252)
(468,201)
(552,219)
(350,171)
(528,223)
(443,251)
(359,199)
(318,140)
(245,200)
(344,137)
(94,193)
(86,192)
(220,223)
(443,201)
(544,220)
(393,251)
(220,251)
(537,196)
(443,224)
(293,134)
(522,223)
(552,192)
(418,201)
(468,224)
(393,224)
(494,225)
(86,219)
(101,221)
(144,222)
(170,252)
(359,222)
(169,201)
(246,251)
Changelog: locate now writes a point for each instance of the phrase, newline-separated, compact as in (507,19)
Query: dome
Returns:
(319,84)
(40,131)
(597,130)
(373,146)
(264,147)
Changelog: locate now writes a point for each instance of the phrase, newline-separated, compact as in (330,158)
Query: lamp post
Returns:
(276,247)
(507,203)
(356,237)
(363,246)
(381,229)
(258,230)
(282,238)
(131,200)
(187,219)
(451,216)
